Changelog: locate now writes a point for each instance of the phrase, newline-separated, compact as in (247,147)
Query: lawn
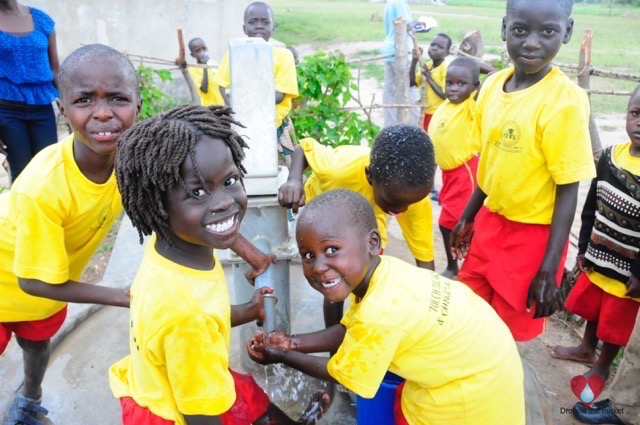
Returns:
(326,22)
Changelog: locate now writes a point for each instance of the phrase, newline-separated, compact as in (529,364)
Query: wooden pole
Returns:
(182,64)
(584,66)
(401,69)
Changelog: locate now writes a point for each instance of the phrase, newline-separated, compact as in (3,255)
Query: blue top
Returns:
(394,9)
(25,71)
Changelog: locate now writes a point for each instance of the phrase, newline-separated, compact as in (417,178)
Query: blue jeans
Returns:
(25,130)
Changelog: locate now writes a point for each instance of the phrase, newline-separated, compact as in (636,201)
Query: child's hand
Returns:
(260,264)
(544,291)
(417,53)
(633,287)
(291,195)
(582,264)
(461,239)
(256,303)
(275,339)
(261,353)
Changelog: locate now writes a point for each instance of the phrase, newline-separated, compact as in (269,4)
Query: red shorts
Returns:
(503,259)
(251,403)
(614,316)
(397,407)
(425,121)
(36,330)
(457,186)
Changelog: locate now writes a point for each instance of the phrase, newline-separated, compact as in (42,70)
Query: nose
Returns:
(320,265)
(221,201)
(102,110)
(532,41)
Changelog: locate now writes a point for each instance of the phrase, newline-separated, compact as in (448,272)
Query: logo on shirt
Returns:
(509,138)
(442,127)
(104,218)
(585,389)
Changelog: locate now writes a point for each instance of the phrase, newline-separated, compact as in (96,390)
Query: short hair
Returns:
(565,5)
(90,53)
(258,3)
(403,155)
(192,41)
(468,63)
(445,36)
(150,154)
(635,93)
(352,205)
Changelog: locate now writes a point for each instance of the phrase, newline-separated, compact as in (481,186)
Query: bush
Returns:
(154,100)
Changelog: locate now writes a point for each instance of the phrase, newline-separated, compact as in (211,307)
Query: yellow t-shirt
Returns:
(179,338)
(284,74)
(213,95)
(624,160)
(52,220)
(532,140)
(343,168)
(461,364)
(439,75)
(449,131)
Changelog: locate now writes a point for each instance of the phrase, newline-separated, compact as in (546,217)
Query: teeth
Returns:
(222,226)
(331,283)
(104,133)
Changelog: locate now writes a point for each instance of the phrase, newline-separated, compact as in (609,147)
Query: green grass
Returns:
(325,22)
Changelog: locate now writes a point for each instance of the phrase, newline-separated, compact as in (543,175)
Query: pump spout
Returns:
(266,280)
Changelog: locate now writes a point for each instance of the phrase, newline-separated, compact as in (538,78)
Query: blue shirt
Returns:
(394,9)
(25,71)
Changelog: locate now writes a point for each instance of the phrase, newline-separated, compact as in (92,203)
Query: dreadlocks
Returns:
(150,154)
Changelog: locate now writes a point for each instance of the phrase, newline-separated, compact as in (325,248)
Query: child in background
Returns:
(607,293)
(455,155)
(180,175)
(458,358)
(436,72)
(58,212)
(259,22)
(203,76)
(395,176)
(532,122)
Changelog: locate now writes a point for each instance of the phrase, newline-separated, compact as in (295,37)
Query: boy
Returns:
(180,174)
(203,76)
(58,212)
(532,122)
(455,155)
(460,363)
(395,176)
(259,22)
(435,75)
(607,292)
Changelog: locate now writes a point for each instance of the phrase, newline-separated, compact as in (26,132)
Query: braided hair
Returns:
(150,154)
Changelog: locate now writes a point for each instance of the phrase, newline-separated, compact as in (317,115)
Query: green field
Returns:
(615,44)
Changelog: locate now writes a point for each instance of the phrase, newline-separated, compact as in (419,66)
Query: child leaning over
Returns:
(532,123)
(395,176)
(607,292)
(180,175)
(459,360)
(455,154)
(58,212)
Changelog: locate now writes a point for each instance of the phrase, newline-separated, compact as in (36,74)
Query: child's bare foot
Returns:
(450,273)
(317,407)
(602,372)
(578,354)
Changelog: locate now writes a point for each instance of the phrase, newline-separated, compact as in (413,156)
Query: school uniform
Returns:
(213,95)
(432,100)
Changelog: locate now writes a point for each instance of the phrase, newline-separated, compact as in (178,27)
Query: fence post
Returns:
(584,70)
(401,69)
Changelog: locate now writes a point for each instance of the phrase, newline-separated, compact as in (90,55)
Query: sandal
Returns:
(25,411)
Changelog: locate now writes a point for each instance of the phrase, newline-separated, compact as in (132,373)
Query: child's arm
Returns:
(279,97)
(76,292)
(325,340)
(436,88)
(258,260)
(588,217)
(461,234)
(544,290)
(252,310)
(52,52)
(412,70)
(291,193)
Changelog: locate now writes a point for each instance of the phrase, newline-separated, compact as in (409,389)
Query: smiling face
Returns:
(534,31)
(439,48)
(99,102)
(633,122)
(258,21)
(459,83)
(338,256)
(207,214)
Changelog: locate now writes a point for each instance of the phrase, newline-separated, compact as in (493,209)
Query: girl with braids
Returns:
(180,176)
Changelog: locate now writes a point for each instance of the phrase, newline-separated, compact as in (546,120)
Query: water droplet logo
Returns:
(587,390)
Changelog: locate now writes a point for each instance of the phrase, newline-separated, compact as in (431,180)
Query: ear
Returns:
(476,85)
(139,106)
(62,109)
(504,29)
(367,173)
(244,28)
(192,55)
(374,242)
(569,32)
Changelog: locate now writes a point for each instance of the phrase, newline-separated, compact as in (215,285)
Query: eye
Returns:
(198,193)
(231,181)
(549,31)
(635,113)
(121,99)
(331,250)
(82,100)
(519,31)
(306,256)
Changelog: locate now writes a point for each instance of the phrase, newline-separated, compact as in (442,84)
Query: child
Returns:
(607,293)
(435,75)
(258,22)
(456,157)
(395,176)
(58,212)
(203,76)
(180,175)
(532,122)
(460,363)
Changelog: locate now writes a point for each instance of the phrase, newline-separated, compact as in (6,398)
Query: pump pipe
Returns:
(266,280)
